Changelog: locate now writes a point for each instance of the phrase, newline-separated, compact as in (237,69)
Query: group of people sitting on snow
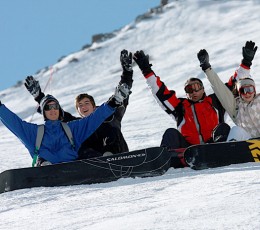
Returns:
(97,132)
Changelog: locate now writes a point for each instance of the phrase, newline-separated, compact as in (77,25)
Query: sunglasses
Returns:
(250,89)
(193,87)
(51,106)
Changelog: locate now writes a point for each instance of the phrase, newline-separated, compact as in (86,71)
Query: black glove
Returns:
(203,57)
(126,61)
(142,61)
(33,86)
(121,93)
(248,52)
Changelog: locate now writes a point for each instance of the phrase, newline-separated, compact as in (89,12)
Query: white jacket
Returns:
(245,115)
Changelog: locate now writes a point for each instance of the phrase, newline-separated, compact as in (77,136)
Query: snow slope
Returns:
(222,198)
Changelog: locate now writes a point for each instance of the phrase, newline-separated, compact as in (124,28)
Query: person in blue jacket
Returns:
(56,147)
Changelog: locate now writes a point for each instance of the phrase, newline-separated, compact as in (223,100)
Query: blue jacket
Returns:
(55,145)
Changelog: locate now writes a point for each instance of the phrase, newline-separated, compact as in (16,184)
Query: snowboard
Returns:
(221,154)
(148,162)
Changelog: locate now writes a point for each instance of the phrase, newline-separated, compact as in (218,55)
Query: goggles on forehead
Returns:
(193,87)
(250,89)
(51,106)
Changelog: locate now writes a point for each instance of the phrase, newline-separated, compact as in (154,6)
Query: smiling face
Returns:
(247,93)
(85,104)
(246,89)
(51,111)
(248,97)
(85,107)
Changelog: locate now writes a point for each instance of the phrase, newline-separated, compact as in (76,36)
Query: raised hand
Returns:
(32,86)
(126,61)
(203,57)
(248,52)
(142,61)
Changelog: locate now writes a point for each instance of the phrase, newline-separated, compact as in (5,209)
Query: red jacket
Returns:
(195,120)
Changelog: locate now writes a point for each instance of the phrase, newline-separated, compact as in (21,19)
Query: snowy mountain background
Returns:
(221,198)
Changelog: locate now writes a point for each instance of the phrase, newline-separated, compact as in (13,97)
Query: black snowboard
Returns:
(141,163)
(222,154)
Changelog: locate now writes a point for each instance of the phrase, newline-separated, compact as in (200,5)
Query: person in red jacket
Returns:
(197,116)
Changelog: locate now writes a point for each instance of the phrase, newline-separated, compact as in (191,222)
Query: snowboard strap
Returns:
(39,137)
(40,133)
(67,130)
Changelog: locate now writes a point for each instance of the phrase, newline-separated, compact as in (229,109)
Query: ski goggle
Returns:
(250,89)
(49,107)
(193,87)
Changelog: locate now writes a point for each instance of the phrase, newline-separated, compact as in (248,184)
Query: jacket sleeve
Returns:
(127,78)
(25,131)
(39,98)
(166,98)
(69,117)
(242,72)
(83,128)
(116,118)
(223,93)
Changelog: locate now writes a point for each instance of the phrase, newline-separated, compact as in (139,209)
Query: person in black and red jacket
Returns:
(197,116)
(108,138)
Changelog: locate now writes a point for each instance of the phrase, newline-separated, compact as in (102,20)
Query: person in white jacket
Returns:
(243,109)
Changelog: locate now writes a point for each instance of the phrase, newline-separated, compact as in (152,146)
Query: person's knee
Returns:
(170,132)
(170,138)
(238,134)
(220,132)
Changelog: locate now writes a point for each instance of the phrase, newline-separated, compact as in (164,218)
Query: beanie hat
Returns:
(45,100)
(192,79)
(245,81)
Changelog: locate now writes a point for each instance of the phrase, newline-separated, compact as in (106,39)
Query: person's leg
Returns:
(115,142)
(41,162)
(220,132)
(173,139)
(238,134)
(85,153)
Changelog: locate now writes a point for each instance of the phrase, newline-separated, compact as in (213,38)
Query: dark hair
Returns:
(193,79)
(82,96)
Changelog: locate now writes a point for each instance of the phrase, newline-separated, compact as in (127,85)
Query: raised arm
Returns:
(25,131)
(126,78)
(248,53)
(166,98)
(223,93)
